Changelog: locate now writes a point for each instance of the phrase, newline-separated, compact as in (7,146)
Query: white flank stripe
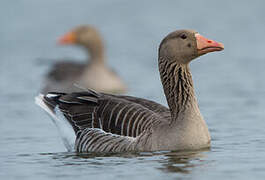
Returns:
(51,95)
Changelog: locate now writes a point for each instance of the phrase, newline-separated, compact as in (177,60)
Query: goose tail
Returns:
(66,131)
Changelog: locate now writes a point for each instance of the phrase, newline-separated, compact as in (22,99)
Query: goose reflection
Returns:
(166,162)
(183,162)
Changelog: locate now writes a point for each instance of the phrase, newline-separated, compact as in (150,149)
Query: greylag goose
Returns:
(95,74)
(99,122)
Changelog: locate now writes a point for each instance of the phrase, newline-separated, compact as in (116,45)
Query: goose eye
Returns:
(183,36)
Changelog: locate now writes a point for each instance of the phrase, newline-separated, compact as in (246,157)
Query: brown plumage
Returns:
(112,123)
(94,74)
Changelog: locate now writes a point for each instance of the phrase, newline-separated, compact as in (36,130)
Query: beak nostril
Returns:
(209,41)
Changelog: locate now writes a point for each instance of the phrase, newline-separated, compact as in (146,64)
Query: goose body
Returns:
(94,74)
(114,123)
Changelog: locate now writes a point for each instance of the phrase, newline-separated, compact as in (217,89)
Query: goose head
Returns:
(182,46)
(85,36)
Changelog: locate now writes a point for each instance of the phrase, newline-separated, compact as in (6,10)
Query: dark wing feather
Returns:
(151,105)
(120,115)
(62,71)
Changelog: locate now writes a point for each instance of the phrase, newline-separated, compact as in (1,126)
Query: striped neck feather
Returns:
(178,87)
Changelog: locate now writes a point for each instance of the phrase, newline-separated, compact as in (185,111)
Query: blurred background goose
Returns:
(93,74)
(98,122)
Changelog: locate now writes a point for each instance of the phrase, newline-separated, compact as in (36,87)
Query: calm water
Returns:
(230,85)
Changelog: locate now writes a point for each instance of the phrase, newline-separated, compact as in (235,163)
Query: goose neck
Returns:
(178,87)
(96,54)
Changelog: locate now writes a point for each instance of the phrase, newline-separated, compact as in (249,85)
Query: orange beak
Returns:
(68,38)
(205,45)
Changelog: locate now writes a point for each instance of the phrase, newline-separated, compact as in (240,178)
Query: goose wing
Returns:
(62,71)
(151,105)
(120,115)
(97,117)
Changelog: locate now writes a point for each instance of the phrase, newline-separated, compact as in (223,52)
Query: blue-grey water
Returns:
(230,85)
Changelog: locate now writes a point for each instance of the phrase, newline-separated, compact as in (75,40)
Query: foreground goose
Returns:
(95,74)
(97,122)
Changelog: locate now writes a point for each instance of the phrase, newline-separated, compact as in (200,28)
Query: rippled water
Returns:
(230,85)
